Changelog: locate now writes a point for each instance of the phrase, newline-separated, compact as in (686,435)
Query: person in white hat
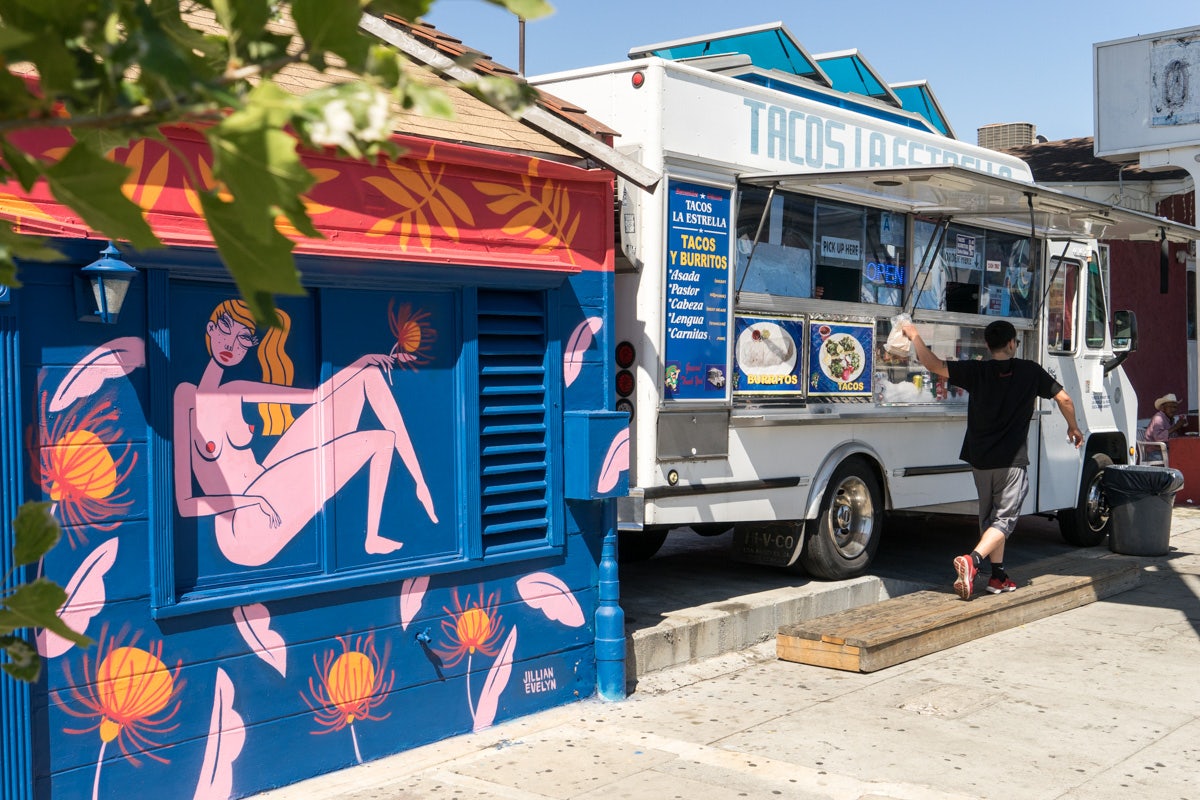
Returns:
(1165,424)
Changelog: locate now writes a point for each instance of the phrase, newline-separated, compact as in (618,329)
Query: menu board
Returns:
(839,358)
(696,353)
(769,357)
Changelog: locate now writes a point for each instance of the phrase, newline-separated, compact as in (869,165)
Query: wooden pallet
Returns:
(879,635)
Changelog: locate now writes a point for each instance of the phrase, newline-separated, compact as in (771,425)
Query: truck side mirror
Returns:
(1124,333)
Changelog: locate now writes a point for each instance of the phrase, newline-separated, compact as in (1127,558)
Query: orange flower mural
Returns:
(77,470)
(478,628)
(352,686)
(132,695)
(414,335)
(425,199)
(543,216)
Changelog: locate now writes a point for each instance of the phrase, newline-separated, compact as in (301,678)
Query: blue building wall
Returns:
(269,603)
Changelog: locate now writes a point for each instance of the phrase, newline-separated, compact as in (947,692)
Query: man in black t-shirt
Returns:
(1002,396)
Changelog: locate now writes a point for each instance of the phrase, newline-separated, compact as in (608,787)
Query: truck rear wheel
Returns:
(634,546)
(1086,524)
(841,542)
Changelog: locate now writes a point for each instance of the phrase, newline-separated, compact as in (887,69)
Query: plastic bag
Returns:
(897,343)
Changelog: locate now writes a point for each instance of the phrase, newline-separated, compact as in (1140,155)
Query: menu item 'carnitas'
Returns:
(765,347)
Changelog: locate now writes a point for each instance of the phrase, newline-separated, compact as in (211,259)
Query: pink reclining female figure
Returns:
(260,507)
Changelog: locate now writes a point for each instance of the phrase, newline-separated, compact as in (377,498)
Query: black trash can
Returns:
(1140,498)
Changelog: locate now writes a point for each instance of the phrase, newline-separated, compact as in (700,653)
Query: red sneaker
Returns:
(965,584)
(996,586)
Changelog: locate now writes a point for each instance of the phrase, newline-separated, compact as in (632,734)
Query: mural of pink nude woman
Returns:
(256,506)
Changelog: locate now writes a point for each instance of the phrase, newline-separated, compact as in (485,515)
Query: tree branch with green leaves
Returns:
(115,71)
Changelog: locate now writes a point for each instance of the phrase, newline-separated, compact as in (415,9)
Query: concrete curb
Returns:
(712,629)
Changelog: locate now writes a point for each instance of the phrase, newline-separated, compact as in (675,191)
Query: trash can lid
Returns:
(1142,479)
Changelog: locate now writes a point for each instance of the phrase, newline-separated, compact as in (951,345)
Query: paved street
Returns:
(1095,703)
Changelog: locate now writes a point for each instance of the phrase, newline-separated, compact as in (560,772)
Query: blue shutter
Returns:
(514,434)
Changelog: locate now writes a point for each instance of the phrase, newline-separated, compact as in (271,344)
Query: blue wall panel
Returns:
(267,665)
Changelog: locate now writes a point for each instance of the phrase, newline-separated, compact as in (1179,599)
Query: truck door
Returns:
(1058,463)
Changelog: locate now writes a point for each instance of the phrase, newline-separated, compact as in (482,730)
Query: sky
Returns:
(987,63)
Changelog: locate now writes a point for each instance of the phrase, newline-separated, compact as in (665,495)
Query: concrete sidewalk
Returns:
(1099,702)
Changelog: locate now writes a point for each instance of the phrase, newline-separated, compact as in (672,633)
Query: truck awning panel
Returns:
(980,199)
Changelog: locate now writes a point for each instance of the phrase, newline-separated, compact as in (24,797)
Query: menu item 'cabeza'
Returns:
(842,357)
(766,348)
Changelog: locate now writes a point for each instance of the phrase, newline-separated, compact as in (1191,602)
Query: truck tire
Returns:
(712,528)
(1086,524)
(635,546)
(841,542)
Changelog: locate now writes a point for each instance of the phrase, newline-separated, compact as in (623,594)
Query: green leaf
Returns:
(168,60)
(261,266)
(246,22)
(11,37)
(101,140)
(63,14)
(15,100)
(27,168)
(24,664)
(428,101)
(525,9)
(36,605)
(167,19)
(91,186)
(36,533)
(508,95)
(8,269)
(29,248)
(56,65)
(405,9)
(331,26)
(386,65)
(257,160)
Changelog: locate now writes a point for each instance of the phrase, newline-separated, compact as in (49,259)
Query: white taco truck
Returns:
(756,288)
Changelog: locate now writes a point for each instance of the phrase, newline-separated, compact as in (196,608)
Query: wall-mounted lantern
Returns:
(102,287)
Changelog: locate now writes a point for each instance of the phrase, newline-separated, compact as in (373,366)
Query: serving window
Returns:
(798,247)
(901,380)
(972,270)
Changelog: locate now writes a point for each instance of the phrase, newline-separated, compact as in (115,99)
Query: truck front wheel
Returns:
(1086,524)
(841,542)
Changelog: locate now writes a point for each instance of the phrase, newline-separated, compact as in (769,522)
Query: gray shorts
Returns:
(1001,493)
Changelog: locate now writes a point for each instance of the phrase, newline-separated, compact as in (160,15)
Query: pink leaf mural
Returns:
(412,592)
(226,735)
(616,461)
(113,359)
(85,599)
(548,594)
(254,623)
(497,679)
(578,343)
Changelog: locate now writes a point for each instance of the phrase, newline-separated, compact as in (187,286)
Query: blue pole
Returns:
(610,619)
(16,697)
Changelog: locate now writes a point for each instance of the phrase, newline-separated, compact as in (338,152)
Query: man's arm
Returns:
(926,356)
(1067,407)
